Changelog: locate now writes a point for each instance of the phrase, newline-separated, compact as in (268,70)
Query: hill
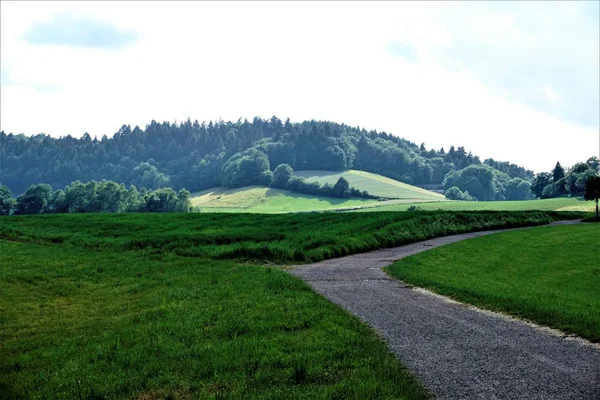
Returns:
(261,199)
(375,184)
(199,156)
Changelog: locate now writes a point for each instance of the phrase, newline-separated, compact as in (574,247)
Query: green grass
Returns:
(376,185)
(550,275)
(148,306)
(283,238)
(106,325)
(558,204)
(260,199)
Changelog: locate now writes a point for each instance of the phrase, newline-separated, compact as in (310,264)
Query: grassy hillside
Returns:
(376,185)
(557,204)
(260,199)
(550,275)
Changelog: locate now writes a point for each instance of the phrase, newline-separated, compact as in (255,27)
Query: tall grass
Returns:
(295,238)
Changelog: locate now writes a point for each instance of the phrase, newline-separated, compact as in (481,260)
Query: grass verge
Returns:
(549,275)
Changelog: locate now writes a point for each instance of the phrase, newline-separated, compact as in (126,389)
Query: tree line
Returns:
(560,181)
(198,156)
(102,196)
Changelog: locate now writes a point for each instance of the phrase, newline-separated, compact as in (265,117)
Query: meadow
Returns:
(377,185)
(549,275)
(260,199)
(148,306)
(556,204)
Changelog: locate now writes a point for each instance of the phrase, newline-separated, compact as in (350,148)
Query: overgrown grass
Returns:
(550,275)
(155,306)
(272,238)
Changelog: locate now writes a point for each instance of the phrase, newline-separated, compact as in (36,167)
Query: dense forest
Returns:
(198,156)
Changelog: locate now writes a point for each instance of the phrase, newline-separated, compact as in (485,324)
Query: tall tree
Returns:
(7,203)
(558,172)
(35,199)
(592,191)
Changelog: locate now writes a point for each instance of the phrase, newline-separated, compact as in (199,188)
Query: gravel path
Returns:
(457,351)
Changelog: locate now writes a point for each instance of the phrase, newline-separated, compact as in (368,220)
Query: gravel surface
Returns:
(457,351)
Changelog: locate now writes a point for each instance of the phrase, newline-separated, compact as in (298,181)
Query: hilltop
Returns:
(199,156)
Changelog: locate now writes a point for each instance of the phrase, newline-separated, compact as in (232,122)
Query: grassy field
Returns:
(283,238)
(558,204)
(260,199)
(550,275)
(376,185)
(163,305)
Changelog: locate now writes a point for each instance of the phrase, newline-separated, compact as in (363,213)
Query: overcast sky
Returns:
(510,80)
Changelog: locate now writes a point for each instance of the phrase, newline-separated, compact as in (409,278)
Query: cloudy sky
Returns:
(510,80)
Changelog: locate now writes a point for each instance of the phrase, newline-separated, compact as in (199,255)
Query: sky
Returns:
(514,81)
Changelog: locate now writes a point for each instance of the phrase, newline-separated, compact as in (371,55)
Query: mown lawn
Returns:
(550,275)
(181,305)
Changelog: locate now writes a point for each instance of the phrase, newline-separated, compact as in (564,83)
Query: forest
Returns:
(198,156)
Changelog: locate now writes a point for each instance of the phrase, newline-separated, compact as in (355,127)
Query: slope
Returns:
(375,184)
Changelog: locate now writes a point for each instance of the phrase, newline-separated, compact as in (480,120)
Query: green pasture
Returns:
(550,275)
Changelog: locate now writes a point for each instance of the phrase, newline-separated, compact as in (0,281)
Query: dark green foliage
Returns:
(244,169)
(594,164)
(573,182)
(35,199)
(341,188)
(147,176)
(540,181)
(592,191)
(455,193)
(200,156)
(281,176)
(483,183)
(103,196)
(558,172)
(517,189)
(511,170)
(7,203)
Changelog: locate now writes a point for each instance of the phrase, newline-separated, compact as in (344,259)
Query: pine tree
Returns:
(558,172)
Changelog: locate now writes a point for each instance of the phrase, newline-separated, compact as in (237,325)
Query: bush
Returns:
(455,193)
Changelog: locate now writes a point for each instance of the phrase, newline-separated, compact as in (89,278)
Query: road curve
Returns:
(457,351)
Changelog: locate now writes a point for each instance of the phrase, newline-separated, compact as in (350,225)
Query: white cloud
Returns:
(300,60)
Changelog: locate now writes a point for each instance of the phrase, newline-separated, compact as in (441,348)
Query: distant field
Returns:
(550,275)
(376,185)
(260,199)
(558,204)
